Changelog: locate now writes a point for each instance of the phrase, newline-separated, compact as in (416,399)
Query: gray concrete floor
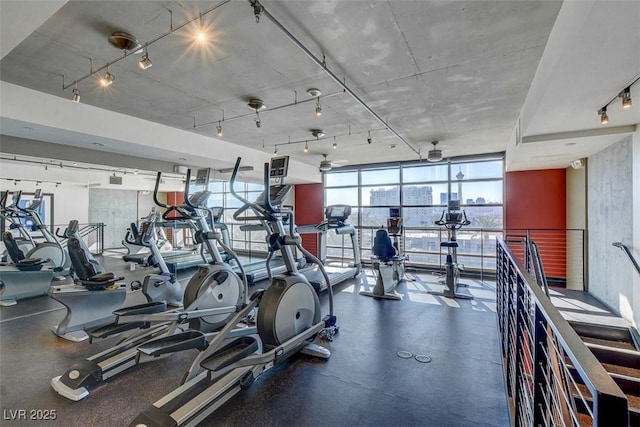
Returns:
(364,383)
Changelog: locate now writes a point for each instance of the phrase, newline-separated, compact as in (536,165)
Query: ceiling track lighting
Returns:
(130,45)
(76,94)
(604,119)
(314,93)
(219,129)
(318,108)
(107,79)
(259,10)
(257,105)
(625,95)
(306,147)
(145,62)
(369,140)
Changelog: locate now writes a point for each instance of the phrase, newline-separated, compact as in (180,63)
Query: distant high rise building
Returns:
(480,201)
(470,202)
(412,195)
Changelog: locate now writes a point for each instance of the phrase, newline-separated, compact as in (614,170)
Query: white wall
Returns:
(610,219)
(636,225)
(576,219)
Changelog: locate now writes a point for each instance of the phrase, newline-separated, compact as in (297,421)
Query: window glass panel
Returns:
(423,240)
(380,196)
(417,195)
(476,170)
(366,238)
(380,176)
(341,196)
(253,195)
(489,217)
(251,186)
(216,186)
(232,202)
(375,217)
(338,179)
(479,193)
(425,173)
(215,199)
(439,194)
(420,217)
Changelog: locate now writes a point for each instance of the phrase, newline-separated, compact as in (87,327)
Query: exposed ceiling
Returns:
(461,72)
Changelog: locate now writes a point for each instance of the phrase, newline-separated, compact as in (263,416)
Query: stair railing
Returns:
(626,250)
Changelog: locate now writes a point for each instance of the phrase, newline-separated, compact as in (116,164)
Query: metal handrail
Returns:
(626,249)
(518,296)
(538,268)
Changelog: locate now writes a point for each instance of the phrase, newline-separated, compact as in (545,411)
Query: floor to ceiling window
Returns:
(422,192)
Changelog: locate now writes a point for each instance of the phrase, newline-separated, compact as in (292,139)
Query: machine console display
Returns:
(199,198)
(277,192)
(337,213)
(279,167)
(454,205)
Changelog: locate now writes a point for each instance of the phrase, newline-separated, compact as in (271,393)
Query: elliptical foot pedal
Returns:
(236,350)
(112,329)
(174,343)
(147,308)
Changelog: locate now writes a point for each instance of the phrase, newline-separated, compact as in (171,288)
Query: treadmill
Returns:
(335,219)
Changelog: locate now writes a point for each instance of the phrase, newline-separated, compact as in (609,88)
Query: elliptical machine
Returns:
(388,260)
(288,319)
(50,250)
(452,219)
(211,297)
(10,215)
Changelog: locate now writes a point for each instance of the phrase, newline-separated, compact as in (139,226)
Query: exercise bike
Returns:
(212,296)
(452,219)
(388,260)
(288,319)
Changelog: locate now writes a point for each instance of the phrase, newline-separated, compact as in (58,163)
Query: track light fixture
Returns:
(145,62)
(275,150)
(369,140)
(219,129)
(76,94)
(625,94)
(130,45)
(626,97)
(306,147)
(107,79)
(257,105)
(318,108)
(604,119)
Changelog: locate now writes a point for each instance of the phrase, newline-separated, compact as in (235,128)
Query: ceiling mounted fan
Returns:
(435,154)
(326,165)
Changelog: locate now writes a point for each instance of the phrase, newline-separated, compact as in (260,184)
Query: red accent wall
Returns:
(536,200)
(174,198)
(309,210)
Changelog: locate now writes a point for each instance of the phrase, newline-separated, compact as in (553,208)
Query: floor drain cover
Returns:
(405,354)
(423,358)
